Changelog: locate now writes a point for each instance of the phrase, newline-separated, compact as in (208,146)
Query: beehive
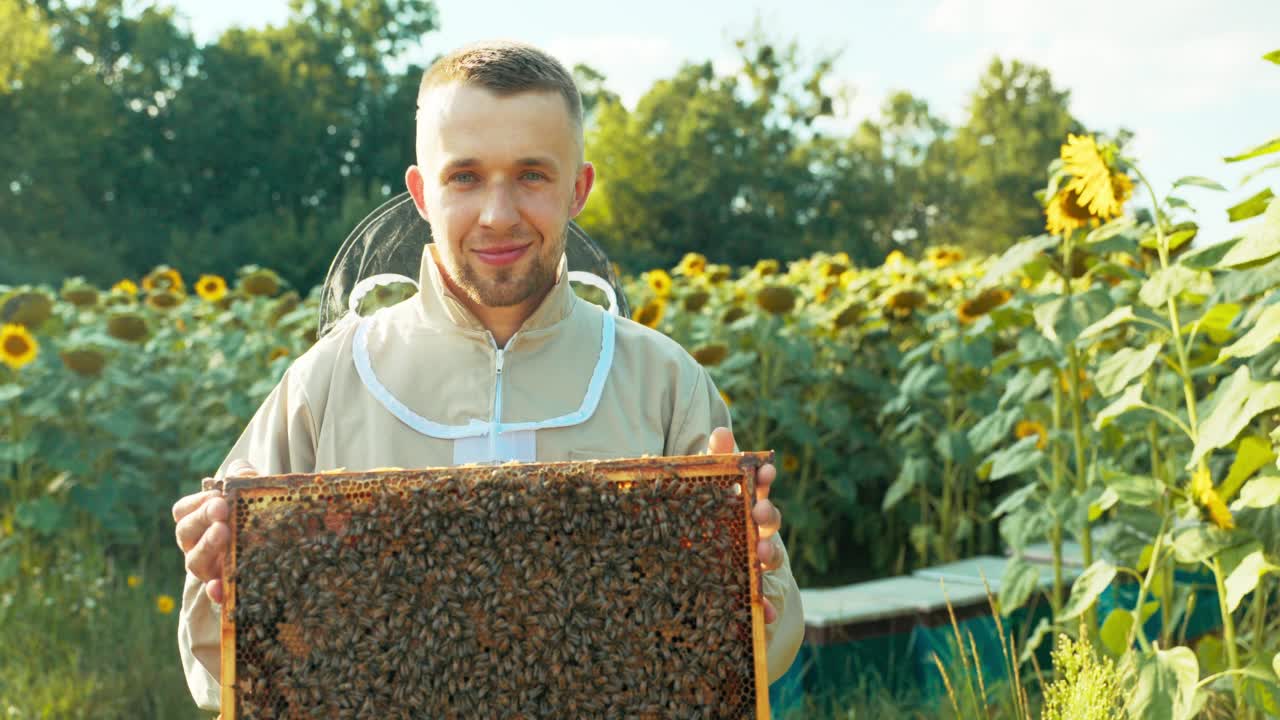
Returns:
(623,588)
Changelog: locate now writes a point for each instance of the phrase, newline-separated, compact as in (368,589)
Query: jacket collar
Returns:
(441,308)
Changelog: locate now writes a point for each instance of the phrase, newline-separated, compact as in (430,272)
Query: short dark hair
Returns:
(505,68)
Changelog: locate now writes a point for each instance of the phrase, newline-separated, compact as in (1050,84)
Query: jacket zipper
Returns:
(497,396)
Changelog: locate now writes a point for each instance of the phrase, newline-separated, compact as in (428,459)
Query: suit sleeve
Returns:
(279,439)
(703,411)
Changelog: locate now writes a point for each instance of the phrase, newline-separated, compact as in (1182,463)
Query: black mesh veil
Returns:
(385,249)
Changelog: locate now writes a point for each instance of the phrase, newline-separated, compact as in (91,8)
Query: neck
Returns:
(501,322)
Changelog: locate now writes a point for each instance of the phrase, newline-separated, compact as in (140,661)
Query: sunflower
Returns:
(650,314)
(710,355)
(692,265)
(85,362)
(17,346)
(848,315)
(659,282)
(901,303)
(126,286)
(895,259)
(79,293)
(259,281)
(164,278)
(941,257)
(29,307)
(1027,428)
(696,300)
(133,581)
(776,299)
(211,288)
(1102,190)
(985,302)
(832,269)
(733,314)
(1209,501)
(163,299)
(766,267)
(824,294)
(128,326)
(164,604)
(717,274)
(790,463)
(1065,215)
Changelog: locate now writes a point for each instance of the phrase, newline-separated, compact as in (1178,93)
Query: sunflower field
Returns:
(1110,383)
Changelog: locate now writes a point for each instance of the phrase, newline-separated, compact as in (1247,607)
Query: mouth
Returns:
(503,255)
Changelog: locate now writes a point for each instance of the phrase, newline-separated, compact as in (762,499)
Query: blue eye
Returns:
(533,175)
(464,177)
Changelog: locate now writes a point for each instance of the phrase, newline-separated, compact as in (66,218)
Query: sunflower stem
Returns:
(1055,534)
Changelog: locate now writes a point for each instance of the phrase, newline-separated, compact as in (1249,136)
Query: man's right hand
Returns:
(203,534)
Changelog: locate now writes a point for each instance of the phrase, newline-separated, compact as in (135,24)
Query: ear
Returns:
(417,188)
(582,185)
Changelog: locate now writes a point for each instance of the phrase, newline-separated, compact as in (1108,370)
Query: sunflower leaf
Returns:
(1236,403)
(1118,370)
(1131,399)
(1019,457)
(1168,283)
(1265,148)
(1198,181)
(1260,492)
(1263,333)
(1253,453)
(1086,589)
(1261,241)
(1251,207)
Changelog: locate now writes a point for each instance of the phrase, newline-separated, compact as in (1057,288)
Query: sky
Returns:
(1185,75)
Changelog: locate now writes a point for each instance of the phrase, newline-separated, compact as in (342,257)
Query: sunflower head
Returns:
(659,282)
(164,604)
(692,265)
(941,257)
(790,463)
(284,305)
(126,286)
(30,308)
(717,274)
(1209,501)
(776,299)
(1065,215)
(696,300)
(733,314)
(134,581)
(1027,428)
(712,354)
(895,260)
(903,302)
(211,288)
(1100,188)
(128,326)
(164,278)
(18,348)
(79,293)
(985,302)
(848,315)
(650,314)
(85,362)
(259,282)
(833,269)
(1063,382)
(164,299)
(766,267)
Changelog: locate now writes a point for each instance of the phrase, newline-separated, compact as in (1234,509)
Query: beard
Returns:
(511,286)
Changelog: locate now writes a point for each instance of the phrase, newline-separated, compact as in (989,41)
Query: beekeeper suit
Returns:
(420,384)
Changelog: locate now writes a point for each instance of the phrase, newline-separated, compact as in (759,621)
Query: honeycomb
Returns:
(609,589)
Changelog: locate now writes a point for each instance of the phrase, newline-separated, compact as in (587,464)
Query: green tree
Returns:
(708,163)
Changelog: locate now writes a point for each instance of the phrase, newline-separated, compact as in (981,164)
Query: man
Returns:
(494,333)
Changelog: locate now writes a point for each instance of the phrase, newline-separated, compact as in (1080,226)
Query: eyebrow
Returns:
(532,161)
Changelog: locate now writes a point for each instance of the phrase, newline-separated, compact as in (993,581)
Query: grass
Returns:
(77,642)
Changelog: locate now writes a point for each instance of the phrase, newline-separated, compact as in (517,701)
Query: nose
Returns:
(499,212)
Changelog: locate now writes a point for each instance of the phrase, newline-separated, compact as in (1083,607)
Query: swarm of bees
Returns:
(533,591)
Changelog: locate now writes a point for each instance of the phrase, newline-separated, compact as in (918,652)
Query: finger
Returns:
(205,561)
(721,441)
(768,518)
(186,505)
(768,555)
(192,528)
(241,468)
(213,589)
(764,480)
(770,614)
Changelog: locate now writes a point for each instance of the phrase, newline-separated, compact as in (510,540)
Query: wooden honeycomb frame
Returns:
(734,473)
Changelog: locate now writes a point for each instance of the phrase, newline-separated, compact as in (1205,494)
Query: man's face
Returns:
(498,179)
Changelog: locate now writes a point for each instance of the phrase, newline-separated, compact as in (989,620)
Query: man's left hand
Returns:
(768,518)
